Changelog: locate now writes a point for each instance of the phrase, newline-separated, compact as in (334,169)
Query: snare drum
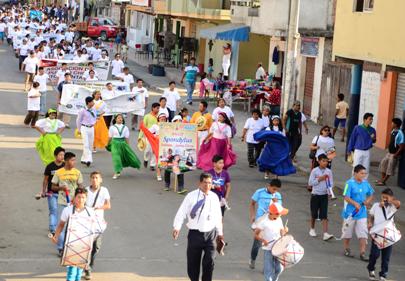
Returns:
(288,251)
(385,234)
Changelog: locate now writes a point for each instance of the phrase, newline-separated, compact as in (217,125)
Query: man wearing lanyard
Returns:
(85,121)
(202,209)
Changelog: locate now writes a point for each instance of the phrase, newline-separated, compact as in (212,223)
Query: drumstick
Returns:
(285,226)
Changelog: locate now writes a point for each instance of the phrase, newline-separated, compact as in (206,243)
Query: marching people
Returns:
(33,105)
(361,141)
(117,65)
(65,181)
(126,77)
(50,169)
(396,145)
(42,79)
(99,199)
(320,181)
(380,213)
(259,205)
(30,65)
(51,129)
(202,210)
(122,154)
(86,119)
(358,194)
(190,74)
(74,273)
(203,119)
(342,111)
(322,144)
(149,120)
(268,231)
(100,128)
(222,107)
(253,125)
(66,81)
(154,129)
(173,99)
(141,95)
(275,126)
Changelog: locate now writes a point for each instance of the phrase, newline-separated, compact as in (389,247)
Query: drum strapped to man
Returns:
(288,251)
(385,234)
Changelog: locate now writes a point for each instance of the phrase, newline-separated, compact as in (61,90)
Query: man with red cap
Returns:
(268,231)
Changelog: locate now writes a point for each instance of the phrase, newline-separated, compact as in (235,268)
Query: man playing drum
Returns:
(379,213)
(268,231)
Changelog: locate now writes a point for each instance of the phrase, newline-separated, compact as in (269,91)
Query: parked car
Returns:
(105,28)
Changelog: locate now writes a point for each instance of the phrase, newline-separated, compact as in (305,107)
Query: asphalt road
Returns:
(137,244)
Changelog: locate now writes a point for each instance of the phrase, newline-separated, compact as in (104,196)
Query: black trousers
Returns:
(171,114)
(180,180)
(199,242)
(253,153)
(107,120)
(95,250)
(295,141)
(20,61)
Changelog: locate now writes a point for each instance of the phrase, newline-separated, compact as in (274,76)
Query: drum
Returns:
(288,251)
(385,234)
(78,241)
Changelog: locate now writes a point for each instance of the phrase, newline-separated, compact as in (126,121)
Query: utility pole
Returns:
(291,54)
(81,11)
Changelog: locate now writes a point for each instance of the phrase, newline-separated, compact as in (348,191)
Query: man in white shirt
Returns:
(42,79)
(202,209)
(98,198)
(260,72)
(252,126)
(126,77)
(30,64)
(141,95)
(96,52)
(22,52)
(163,108)
(172,99)
(86,73)
(116,66)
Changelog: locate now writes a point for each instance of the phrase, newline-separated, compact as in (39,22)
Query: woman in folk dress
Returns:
(100,128)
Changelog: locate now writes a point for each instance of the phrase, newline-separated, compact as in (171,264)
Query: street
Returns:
(137,244)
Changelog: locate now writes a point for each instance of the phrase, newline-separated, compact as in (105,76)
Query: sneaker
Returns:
(166,189)
(312,232)
(88,164)
(94,151)
(159,178)
(251,166)
(60,253)
(371,275)
(327,236)
(116,176)
(382,278)
(87,275)
(183,191)
(145,164)
(252,264)
(363,257)
(348,253)
(266,176)
(152,168)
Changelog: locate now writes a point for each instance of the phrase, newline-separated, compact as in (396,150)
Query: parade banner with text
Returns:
(75,68)
(73,100)
(177,145)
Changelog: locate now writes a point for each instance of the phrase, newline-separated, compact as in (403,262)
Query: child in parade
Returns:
(154,129)
(122,154)
(51,129)
(252,126)
(33,105)
(100,128)
(320,181)
(184,115)
(274,125)
(221,182)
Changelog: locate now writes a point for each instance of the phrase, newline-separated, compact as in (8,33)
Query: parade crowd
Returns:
(272,141)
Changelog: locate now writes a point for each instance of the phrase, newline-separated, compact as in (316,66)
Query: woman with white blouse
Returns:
(323,144)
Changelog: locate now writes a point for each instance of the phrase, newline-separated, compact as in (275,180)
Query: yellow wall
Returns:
(250,53)
(376,36)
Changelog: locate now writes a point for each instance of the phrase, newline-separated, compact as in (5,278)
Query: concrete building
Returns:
(269,19)
(369,36)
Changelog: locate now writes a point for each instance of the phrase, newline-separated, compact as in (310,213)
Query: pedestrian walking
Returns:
(117,66)
(253,125)
(86,119)
(173,99)
(203,119)
(202,209)
(322,144)
(141,95)
(190,74)
(358,194)
(100,128)
(258,208)
(42,79)
(33,105)
(361,141)
(99,199)
(149,120)
(30,65)
(67,81)
(396,145)
(342,112)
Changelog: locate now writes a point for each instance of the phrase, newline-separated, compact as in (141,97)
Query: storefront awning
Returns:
(227,32)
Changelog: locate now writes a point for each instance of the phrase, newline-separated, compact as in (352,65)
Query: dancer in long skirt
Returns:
(122,154)
(100,128)
(50,128)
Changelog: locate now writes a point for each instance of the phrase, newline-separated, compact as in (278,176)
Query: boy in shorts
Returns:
(342,111)
(320,180)
(358,194)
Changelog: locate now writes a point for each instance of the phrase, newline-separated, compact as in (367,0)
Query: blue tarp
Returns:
(227,32)
(275,155)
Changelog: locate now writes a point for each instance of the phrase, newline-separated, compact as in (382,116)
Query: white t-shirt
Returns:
(2,26)
(31,64)
(41,79)
(378,214)
(324,143)
(220,130)
(165,111)
(102,196)
(116,66)
(67,211)
(253,126)
(61,75)
(260,73)
(96,54)
(114,133)
(24,48)
(91,79)
(140,94)
(266,120)
(171,99)
(218,110)
(33,104)
(271,231)
(69,36)
(50,125)
(87,75)
(127,78)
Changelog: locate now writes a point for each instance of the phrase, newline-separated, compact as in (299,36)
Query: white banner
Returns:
(100,85)
(73,100)
(76,69)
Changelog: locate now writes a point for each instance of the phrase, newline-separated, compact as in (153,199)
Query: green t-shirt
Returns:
(71,178)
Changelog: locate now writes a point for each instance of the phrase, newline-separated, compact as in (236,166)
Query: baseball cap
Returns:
(277,209)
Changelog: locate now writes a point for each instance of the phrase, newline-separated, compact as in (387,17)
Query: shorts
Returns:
(338,121)
(388,164)
(319,206)
(359,226)
(1,35)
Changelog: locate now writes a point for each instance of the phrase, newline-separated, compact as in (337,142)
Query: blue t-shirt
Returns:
(191,72)
(263,198)
(359,193)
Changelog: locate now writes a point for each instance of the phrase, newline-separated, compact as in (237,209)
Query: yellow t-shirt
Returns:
(72,178)
(342,108)
(208,120)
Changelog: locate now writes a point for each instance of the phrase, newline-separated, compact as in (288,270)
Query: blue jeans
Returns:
(385,259)
(255,249)
(73,273)
(272,267)
(61,238)
(42,103)
(53,211)
(190,86)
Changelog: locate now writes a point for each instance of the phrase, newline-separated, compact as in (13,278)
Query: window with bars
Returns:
(363,6)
